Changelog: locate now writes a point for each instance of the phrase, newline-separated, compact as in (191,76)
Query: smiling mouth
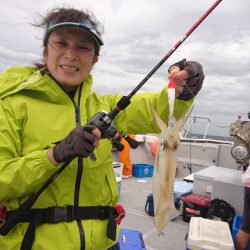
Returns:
(69,67)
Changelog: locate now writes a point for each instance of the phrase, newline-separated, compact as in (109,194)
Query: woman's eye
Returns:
(61,43)
(84,48)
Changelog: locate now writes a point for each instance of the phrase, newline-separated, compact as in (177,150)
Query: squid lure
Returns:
(171,100)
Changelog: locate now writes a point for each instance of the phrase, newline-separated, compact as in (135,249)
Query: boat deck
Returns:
(133,196)
(192,156)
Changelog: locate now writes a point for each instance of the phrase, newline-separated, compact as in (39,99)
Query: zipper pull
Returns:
(77,109)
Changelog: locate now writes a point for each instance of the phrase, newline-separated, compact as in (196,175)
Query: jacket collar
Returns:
(19,78)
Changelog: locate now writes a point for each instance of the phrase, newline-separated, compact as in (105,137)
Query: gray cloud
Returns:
(10,57)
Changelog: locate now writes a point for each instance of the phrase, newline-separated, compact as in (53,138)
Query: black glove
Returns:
(78,143)
(195,80)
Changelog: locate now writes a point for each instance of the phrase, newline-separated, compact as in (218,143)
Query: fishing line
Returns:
(210,121)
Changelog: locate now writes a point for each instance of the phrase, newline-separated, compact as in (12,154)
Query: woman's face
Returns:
(70,56)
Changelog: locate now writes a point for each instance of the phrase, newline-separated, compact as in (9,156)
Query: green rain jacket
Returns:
(36,112)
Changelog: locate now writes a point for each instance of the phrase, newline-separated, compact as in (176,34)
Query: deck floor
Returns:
(133,196)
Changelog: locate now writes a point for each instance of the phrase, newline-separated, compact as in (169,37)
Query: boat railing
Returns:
(186,135)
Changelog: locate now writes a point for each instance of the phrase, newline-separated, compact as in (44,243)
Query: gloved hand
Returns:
(80,142)
(188,77)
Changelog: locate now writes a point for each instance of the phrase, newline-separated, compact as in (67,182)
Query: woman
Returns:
(43,111)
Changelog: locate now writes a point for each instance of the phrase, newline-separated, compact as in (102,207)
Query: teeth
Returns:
(69,67)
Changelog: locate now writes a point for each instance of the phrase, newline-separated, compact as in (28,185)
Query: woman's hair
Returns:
(58,15)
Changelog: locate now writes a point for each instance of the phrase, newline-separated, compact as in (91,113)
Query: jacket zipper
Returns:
(79,172)
(79,167)
(80,162)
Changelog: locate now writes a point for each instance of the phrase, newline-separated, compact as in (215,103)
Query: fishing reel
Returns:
(103,121)
(240,153)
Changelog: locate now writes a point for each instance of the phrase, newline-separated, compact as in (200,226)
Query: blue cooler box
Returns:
(142,170)
(236,228)
(131,239)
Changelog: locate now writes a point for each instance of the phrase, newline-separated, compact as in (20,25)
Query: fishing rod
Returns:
(105,123)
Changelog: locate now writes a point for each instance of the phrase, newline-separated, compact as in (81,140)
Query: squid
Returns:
(165,168)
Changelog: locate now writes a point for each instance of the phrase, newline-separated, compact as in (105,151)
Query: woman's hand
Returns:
(188,77)
(80,142)
(180,78)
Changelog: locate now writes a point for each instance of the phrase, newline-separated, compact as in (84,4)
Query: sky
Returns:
(138,34)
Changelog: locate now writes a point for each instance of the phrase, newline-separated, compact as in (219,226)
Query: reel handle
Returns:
(119,146)
(132,142)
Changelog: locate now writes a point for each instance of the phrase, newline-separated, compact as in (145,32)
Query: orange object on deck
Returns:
(125,157)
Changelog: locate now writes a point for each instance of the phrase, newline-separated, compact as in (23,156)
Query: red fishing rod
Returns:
(125,101)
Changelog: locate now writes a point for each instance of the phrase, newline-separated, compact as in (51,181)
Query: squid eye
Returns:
(163,143)
(175,146)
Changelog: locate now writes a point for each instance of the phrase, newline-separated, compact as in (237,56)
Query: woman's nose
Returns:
(71,52)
